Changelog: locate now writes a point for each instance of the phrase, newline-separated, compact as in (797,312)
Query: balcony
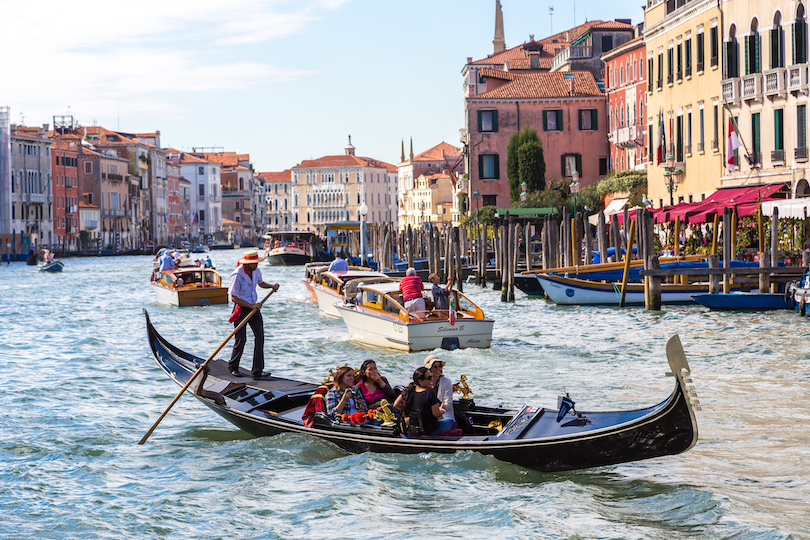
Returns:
(625,137)
(752,86)
(715,145)
(90,225)
(777,157)
(797,78)
(669,78)
(700,147)
(730,91)
(801,154)
(35,198)
(756,160)
(775,82)
(117,212)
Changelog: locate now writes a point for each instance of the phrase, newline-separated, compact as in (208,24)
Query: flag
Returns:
(662,140)
(565,404)
(733,144)
(193,216)
(452,315)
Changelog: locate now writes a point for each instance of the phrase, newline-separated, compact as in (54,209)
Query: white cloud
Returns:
(143,56)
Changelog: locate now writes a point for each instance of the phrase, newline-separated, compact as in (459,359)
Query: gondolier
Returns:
(243,294)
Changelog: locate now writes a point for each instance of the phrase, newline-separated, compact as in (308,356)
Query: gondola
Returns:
(536,438)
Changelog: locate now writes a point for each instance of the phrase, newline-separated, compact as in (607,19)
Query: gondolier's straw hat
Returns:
(251,257)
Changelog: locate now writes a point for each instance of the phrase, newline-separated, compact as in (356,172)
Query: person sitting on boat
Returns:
(344,397)
(339,264)
(443,387)
(374,386)
(411,288)
(167,261)
(440,293)
(421,396)
(48,256)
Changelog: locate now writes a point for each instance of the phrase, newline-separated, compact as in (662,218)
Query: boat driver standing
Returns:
(242,292)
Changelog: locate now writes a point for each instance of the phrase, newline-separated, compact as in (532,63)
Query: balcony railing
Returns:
(730,90)
(801,153)
(778,156)
(752,86)
(688,149)
(669,78)
(90,225)
(699,66)
(774,81)
(797,77)
(700,146)
(715,144)
(756,160)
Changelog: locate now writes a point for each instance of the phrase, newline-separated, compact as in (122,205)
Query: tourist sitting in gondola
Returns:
(374,386)
(344,397)
(418,403)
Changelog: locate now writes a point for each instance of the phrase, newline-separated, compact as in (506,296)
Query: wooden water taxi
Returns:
(327,287)
(538,438)
(189,286)
(375,315)
(292,248)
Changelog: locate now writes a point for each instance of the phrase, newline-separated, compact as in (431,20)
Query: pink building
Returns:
(566,108)
(626,86)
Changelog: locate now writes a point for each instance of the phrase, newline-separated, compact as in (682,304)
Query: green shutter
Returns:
(579,119)
(755,132)
(774,48)
(747,65)
(579,165)
(497,166)
(594,121)
(778,130)
(793,43)
(480,166)
(757,62)
(559,121)
(494,121)
(480,123)
(545,120)
(562,166)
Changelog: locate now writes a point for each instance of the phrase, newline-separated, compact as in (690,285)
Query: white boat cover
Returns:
(788,208)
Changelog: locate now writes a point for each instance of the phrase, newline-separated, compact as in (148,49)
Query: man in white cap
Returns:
(443,386)
(242,292)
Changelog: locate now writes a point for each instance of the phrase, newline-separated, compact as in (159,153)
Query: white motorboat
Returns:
(375,315)
(326,288)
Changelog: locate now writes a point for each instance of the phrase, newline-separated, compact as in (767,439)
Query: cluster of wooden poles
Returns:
(567,241)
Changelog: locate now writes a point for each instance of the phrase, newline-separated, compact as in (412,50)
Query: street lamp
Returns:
(363,210)
(475,196)
(523,195)
(575,188)
(672,177)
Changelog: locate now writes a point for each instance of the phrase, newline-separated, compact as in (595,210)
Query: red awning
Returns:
(744,199)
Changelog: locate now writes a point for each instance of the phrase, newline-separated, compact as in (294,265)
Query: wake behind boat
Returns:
(537,438)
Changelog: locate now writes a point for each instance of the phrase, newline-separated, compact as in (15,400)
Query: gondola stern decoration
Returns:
(683,374)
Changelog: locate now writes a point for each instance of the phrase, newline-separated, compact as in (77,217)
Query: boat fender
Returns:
(789,294)
(803,305)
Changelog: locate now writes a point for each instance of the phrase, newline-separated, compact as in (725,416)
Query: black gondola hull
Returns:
(531,437)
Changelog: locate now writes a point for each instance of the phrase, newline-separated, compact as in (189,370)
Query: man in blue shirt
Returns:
(167,262)
(339,264)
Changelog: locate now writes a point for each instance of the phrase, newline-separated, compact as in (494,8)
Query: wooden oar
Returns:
(627,256)
(202,366)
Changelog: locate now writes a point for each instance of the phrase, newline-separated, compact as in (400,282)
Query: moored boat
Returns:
(571,291)
(797,293)
(327,287)
(292,248)
(743,301)
(52,266)
(543,439)
(189,286)
(375,315)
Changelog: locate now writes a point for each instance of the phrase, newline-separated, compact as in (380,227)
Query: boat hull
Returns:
(376,329)
(531,438)
(569,291)
(743,301)
(191,297)
(326,299)
(52,267)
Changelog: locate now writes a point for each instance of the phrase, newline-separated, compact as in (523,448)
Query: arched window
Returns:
(732,56)
(752,48)
(776,42)
(800,36)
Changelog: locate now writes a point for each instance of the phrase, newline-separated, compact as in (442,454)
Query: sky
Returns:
(282,80)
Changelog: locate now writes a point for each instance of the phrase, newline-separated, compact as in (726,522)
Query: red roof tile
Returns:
(544,85)
(438,152)
(345,161)
(283,176)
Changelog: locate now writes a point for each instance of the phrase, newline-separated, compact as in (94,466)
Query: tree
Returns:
(534,171)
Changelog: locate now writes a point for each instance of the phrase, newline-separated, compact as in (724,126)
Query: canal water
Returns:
(79,389)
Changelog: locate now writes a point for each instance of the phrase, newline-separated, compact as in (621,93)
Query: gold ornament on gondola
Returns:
(463,387)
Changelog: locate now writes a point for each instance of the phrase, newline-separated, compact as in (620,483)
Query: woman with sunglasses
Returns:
(421,396)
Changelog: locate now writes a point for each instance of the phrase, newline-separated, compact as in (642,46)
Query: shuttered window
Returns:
(587,120)
(552,120)
(487,121)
